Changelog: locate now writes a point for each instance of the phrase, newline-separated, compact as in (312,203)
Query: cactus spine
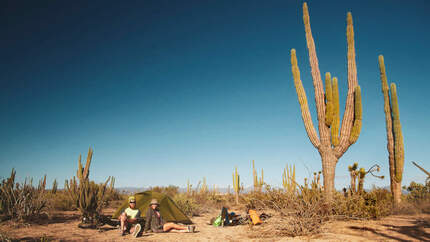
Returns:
(395,145)
(236,184)
(289,179)
(330,144)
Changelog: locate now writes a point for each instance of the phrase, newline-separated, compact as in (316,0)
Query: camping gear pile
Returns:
(232,219)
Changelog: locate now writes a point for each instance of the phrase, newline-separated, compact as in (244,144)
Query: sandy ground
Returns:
(63,227)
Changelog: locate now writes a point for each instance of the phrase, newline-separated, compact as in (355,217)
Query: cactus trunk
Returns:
(329,167)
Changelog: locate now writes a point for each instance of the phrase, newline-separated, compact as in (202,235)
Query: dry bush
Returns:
(22,201)
(170,191)
(61,201)
(187,204)
(374,204)
(419,196)
(299,213)
(305,212)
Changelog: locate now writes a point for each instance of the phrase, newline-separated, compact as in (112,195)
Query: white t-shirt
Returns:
(132,213)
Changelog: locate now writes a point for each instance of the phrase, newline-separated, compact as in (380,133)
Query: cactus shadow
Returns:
(413,232)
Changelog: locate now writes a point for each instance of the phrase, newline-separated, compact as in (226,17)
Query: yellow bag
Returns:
(254,217)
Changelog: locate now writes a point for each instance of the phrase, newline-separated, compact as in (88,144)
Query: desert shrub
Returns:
(419,196)
(22,201)
(374,204)
(170,190)
(61,201)
(300,213)
(187,204)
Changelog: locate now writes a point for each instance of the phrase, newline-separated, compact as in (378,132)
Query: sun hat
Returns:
(131,199)
(154,201)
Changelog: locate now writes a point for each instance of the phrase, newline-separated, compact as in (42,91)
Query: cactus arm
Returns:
(87,165)
(387,111)
(355,132)
(348,117)
(329,100)
(399,155)
(334,129)
(422,169)
(79,171)
(316,76)
(304,107)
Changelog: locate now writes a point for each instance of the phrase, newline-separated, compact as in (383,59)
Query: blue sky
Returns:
(166,91)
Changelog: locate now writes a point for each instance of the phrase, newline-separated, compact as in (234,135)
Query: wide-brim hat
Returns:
(154,201)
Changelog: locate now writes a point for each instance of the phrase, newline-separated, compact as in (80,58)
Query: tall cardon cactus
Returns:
(396,155)
(330,144)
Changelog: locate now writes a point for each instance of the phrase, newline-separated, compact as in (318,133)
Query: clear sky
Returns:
(166,91)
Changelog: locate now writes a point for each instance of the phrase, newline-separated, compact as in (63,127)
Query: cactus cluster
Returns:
(289,179)
(334,139)
(236,184)
(88,196)
(22,201)
(258,181)
(395,145)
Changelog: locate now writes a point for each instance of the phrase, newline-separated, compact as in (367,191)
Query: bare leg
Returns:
(123,220)
(169,226)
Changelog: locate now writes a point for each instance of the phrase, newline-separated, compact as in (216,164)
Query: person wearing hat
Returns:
(129,218)
(154,221)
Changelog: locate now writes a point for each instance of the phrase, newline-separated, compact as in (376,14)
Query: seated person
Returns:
(155,222)
(129,218)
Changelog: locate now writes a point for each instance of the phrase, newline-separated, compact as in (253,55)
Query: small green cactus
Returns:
(236,184)
(289,179)
(258,182)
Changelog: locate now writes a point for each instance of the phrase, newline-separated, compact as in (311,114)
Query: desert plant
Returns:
(88,196)
(353,173)
(236,184)
(423,170)
(22,201)
(189,187)
(204,187)
(186,204)
(54,187)
(289,179)
(258,182)
(328,106)
(396,156)
(360,174)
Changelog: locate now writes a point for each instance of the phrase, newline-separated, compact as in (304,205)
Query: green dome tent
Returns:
(168,209)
